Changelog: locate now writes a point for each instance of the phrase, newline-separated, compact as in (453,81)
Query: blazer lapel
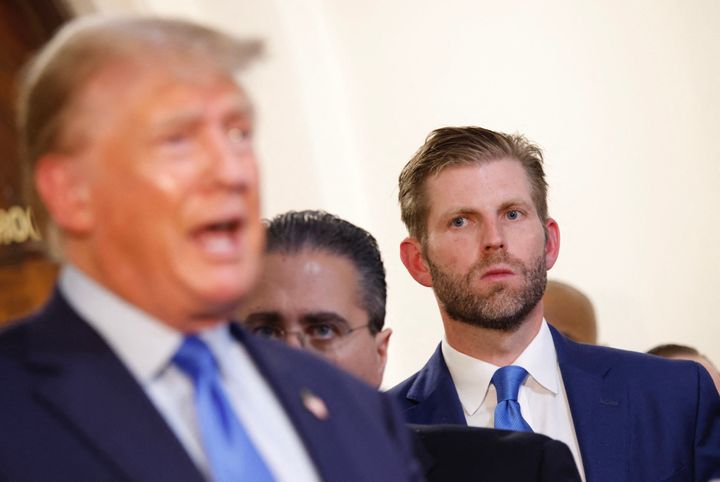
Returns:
(326,443)
(600,410)
(85,385)
(434,393)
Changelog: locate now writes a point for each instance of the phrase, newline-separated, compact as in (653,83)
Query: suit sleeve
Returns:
(400,433)
(707,429)
(558,464)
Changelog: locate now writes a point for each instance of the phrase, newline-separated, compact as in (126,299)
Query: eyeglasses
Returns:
(322,337)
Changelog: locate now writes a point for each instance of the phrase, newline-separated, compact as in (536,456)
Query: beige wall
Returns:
(622,95)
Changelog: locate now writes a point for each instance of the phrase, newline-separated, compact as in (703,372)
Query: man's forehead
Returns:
(136,75)
(324,279)
(119,90)
(234,105)
(501,180)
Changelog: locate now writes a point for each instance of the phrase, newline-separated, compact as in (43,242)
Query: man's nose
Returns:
(492,236)
(232,159)
(295,339)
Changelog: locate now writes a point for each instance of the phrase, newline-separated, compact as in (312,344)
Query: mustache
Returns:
(496,257)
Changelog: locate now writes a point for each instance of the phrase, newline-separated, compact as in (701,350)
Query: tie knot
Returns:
(195,358)
(507,381)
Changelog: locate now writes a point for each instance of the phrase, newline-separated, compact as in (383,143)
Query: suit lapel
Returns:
(434,393)
(600,410)
(326,444)
(80,380)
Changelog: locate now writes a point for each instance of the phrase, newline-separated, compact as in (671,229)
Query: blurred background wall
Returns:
(622,95)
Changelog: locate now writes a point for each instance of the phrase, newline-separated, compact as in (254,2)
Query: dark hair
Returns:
(671,350)
(457,146)
(294,231)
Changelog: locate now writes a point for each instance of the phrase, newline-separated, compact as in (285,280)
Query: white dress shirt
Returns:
(542,398)
(146,347)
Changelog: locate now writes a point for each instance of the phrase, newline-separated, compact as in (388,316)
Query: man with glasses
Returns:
(323,289)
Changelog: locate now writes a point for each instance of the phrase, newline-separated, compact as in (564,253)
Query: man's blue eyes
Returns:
(458,222)
(461,221)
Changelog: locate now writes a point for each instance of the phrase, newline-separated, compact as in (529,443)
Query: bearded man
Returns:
(475,205)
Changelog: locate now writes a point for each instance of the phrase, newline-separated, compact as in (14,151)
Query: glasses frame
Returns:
(306,340)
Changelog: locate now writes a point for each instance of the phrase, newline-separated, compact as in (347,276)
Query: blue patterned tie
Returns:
(507,381)
(231,455)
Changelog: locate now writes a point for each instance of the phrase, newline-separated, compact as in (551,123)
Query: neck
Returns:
(498,347)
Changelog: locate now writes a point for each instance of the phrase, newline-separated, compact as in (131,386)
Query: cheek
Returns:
(455,254)
(443,248)
(170,180)
(529,237)
(337,359)
(350,360)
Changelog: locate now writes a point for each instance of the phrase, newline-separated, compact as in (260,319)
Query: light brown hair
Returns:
(55,77)
(455,146)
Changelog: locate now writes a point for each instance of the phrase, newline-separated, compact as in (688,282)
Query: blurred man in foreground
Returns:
(141,145)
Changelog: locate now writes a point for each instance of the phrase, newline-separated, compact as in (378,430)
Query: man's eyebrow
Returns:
(316,317)
(457,212)
(177,120)
(516,203)
(189,117)
(270,317)
(243,109)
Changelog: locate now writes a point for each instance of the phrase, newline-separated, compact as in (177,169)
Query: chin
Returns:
(219,295)
(224,293)
(224,281)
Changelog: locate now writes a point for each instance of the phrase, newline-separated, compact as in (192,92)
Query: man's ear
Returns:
(412,258)
(552,242)
(64,189)
(381,345)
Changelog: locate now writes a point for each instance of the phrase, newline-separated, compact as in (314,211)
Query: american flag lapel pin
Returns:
(314,404)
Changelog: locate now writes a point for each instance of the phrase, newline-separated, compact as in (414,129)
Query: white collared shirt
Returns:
(146,347)
(542,397)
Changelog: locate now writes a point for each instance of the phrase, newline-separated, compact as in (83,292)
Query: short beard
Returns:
(501,308)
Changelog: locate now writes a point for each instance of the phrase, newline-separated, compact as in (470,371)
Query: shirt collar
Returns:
(472,376)
(144,344)
(540,359)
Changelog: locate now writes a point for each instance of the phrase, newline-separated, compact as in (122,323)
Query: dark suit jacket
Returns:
(637,417)
(470,454)
(71,411)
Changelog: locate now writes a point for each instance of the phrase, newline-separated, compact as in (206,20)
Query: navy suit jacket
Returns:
(71,411)
(638,418)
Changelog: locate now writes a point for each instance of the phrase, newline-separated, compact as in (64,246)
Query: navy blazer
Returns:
(71,411)
(638,418)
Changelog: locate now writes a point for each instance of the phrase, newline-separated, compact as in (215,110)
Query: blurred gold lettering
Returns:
(17,225)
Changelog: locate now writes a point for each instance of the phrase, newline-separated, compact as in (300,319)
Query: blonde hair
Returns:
(55,77)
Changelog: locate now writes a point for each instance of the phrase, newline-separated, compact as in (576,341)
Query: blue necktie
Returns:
(230,452)
(507,381)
